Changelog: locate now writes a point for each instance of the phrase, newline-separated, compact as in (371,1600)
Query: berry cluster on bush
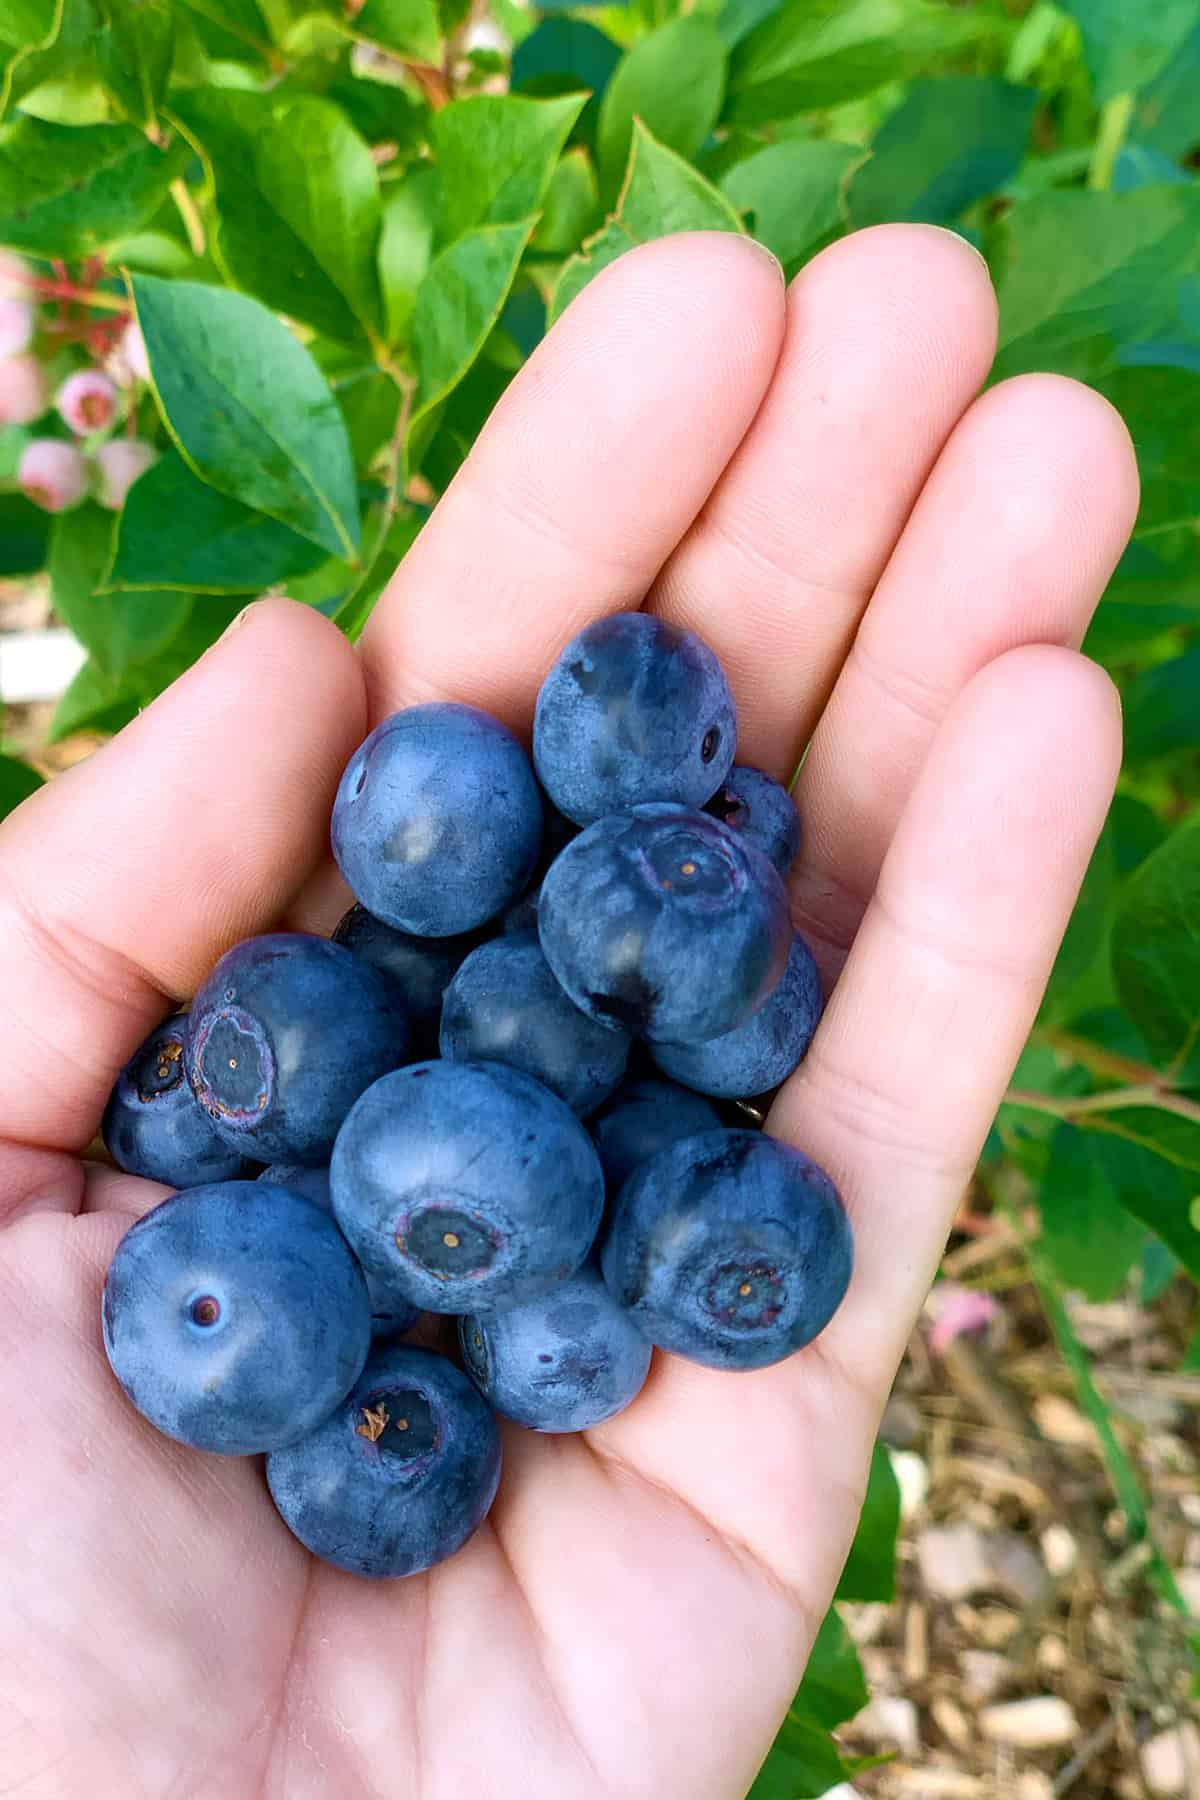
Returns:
(443,1099)
(92,402)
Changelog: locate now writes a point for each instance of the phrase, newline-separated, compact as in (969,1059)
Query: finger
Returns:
(895,1098)
(942,986)
(590,469)
(1012,541)
(124,880)
(889,335)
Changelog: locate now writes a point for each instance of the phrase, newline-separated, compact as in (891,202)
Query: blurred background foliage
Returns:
(343,225)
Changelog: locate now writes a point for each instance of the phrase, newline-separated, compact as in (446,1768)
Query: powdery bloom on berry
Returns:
(133,349)
(87,401)
(119,463)
(23,395)
(52,474)
(16,325)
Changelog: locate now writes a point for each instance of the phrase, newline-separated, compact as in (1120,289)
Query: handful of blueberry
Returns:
(441,1100)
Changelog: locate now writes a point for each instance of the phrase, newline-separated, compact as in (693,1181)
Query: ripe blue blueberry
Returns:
(504,1005)
(400,1475)
(633,710)
(641,1119)
(390,1317)
(662,920)
(466,1186)
(282,1039)
(759,809)
(564,1362)
(730,1248)
(422,967)
(153,1124)
(762,1052)
(235,1317)
(438,820)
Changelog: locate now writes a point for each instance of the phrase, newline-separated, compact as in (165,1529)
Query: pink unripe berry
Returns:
(52,474)
(133,349)
(23,396)
(16,326)
(87,401)
(119,463)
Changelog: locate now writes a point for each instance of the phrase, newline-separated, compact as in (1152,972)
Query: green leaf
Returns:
(809,54)
(135,51)
(953,141)
(370,404)
(1127,46)
(237,26)
(1160,708)
(1156,951)
(97,701)
(176,532)
(406,245)
(1166,118)
(117,630)
(1089,1239)
(1151,1160)
(24,529)
(1082,951)
(496,154)
(1160,407)
(1156,588)
(1080,275)
(94,701)
(560,56)
(571,208)
(834,1688)
(298,202)
(662,194)
(409,28)
(457,305)
(359,604)
(794,195)
(17,782)
(69,190)
(249,409)
(41,41)
(673,81)
(870,1571)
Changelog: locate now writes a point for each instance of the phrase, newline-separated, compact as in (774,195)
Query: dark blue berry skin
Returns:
(641,1119)
(153,1125)
(282,1039)
(389,1317)
(438,820)
(422,967)
(565,1362)
(759,1054)
(634,710)
(759,809)
(662,920)
(235,1317)
(730,1248)
(400,1475)
(504,1005)
(466,1186)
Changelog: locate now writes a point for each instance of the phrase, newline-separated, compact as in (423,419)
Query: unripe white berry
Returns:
(119,463)
(23,395)
(52,474)
(87,401)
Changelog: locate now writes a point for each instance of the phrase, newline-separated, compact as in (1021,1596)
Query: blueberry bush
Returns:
(268,264)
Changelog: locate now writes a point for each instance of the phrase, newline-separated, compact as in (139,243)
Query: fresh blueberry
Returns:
(400,1475)
(762,1052)
(760,809)
(153,1124)
(729,1248)
(422,967)
(466,1186)
(389,1317)
(662,920)
(641,1119)
(235,1317)
(504,1005)
(564,1362)
(633,711)
(282,1039)
(438,820)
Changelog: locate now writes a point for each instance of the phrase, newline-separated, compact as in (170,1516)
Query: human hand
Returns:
(633,1618)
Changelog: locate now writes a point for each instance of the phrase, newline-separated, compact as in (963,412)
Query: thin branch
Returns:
(1114,1100)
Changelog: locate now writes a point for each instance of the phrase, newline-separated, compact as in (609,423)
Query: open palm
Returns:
(896,573)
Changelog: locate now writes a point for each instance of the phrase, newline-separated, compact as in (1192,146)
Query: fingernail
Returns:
(949,231)
(239,620)
(770,257)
